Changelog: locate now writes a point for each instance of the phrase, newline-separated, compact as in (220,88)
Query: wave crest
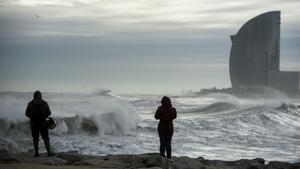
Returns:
(106,123)
(215,108)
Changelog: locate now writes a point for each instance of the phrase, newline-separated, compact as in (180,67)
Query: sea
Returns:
(214,126)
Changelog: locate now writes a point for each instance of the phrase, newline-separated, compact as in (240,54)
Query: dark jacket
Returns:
(165,115)
(37,110)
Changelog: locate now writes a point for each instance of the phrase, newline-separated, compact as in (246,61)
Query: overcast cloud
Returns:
(173,37)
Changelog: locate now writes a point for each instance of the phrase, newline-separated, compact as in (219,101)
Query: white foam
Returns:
(108,124)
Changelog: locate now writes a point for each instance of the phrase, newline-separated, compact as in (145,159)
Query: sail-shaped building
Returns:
(254,56)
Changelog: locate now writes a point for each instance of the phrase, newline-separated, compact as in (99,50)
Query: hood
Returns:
(166,102)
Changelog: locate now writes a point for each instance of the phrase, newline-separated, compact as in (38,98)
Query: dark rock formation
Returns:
(138,161)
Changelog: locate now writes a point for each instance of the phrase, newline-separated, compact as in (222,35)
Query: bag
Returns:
(50,122)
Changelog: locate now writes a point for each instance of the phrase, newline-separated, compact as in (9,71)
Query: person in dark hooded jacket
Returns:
(38,110)
(165,113)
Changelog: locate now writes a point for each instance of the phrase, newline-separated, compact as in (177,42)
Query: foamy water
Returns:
(217,126)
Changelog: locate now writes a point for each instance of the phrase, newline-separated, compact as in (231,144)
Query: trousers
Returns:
(37,129)
(165,133)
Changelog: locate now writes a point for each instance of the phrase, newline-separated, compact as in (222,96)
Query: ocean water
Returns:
(215,126)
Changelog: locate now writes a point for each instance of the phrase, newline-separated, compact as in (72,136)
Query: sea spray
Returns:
(217,126)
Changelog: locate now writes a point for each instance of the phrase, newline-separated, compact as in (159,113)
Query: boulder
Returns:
(154,161)
(105,163)
(141,161)
(136,161)
(187,163)
(259,160)
(43,159)
(70,157)
(6,157)
(279,165)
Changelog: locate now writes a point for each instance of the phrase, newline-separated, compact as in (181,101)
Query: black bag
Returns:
(50,122)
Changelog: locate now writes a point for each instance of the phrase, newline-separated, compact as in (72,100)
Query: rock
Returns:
(137,161)
(279,165)
(253,167)
(154,161)
(187,163)
(53,161)
(6,157)
(257,163)
(105,164)
(3,153)
(142,161)
(229,163)
(43,159)
(70,157)
(217,163)
(259,160)
(295,166)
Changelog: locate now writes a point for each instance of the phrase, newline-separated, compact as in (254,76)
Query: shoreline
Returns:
(74,160)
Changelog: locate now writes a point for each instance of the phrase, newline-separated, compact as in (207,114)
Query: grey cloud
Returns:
(98,20)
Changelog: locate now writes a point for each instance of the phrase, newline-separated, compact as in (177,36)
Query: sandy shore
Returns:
(73,160)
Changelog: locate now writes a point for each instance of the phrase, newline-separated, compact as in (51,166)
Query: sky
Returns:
(130,46)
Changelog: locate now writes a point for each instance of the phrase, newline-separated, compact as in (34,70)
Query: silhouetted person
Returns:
(38,110)
(165,114)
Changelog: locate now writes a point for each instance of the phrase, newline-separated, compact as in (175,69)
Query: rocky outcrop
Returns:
(140,161)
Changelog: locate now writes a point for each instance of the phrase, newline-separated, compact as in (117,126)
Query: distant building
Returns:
(254,57)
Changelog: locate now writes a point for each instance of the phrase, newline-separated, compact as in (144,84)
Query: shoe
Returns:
(36,155)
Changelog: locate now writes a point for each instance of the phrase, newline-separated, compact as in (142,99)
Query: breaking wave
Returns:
(106,123)
(96,114)
(214,108)
(216,126)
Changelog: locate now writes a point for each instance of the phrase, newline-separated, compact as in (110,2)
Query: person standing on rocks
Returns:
(38,110)
(165,113)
